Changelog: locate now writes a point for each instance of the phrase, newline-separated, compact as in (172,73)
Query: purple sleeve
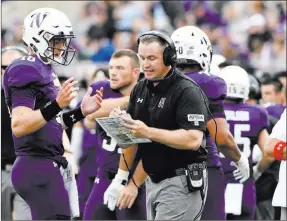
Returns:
(216,93)
(21,75)
(23,97)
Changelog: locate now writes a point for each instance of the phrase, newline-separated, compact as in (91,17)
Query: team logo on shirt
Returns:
(195,118)
(140,100)
(97,180)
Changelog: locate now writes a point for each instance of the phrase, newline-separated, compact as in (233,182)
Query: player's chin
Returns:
(114,86)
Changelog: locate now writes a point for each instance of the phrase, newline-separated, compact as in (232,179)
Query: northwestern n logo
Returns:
(37,19)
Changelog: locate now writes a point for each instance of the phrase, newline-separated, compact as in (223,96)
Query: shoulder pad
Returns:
(214,87)
(21,73)
(97,85)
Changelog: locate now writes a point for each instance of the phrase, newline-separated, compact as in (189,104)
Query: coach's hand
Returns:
(90,104)
(116,112)
(137,127)
(242,172)
(67,92)
(128,196)
(112,194)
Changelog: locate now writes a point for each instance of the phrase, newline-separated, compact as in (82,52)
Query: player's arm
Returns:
(25,120)
(224,139)
(275,146)
(265,161)
(271,145)
(108,105)
(130,192)
(127,158)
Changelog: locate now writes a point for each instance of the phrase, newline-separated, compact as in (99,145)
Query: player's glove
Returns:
(112,194)
(242,172)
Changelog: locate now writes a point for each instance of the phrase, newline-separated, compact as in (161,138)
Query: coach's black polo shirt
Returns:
(175,103)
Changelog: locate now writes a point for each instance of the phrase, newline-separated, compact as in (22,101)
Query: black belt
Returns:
(156,178)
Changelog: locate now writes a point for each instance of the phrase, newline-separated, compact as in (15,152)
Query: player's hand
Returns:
(112,194)
(67,92)
(137,127)
(128,196)
(90,104)
(242,172)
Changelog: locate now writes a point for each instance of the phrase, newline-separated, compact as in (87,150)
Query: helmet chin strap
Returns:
(43,59)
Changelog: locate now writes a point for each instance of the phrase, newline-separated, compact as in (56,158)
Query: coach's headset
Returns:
(169,53)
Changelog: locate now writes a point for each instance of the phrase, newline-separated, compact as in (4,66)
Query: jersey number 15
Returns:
(240,140)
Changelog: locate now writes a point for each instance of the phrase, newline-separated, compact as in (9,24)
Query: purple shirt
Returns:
(30,83)
(245,123)
(215,90)
(106,159)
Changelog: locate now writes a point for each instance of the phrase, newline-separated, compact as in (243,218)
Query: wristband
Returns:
(73,116)
(50,110)
(278,150)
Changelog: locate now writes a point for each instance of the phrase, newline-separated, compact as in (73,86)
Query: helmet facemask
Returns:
(57,55)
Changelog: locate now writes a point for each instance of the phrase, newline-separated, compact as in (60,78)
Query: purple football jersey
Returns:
(245,123)
(275,110)
(89,138)
(29,82)
(107,159)
(215,90)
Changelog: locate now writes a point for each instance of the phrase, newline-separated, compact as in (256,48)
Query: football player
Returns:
(248,124)
(124,71)
(194,56)
(84,145)
(35,100)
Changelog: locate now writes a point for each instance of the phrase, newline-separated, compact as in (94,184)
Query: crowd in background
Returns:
(251,34)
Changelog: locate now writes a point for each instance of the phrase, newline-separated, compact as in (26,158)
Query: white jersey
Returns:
(279,132)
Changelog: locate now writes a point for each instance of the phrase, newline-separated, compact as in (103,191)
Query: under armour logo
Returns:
(73,118)
(97,180)
(161,102)
(55,164)
(140,100)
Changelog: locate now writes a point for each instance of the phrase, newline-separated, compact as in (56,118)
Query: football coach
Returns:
(170,110)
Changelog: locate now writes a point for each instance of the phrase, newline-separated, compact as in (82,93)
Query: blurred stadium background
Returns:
(250,33)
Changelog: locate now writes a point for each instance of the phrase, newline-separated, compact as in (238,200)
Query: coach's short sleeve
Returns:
(191,109)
